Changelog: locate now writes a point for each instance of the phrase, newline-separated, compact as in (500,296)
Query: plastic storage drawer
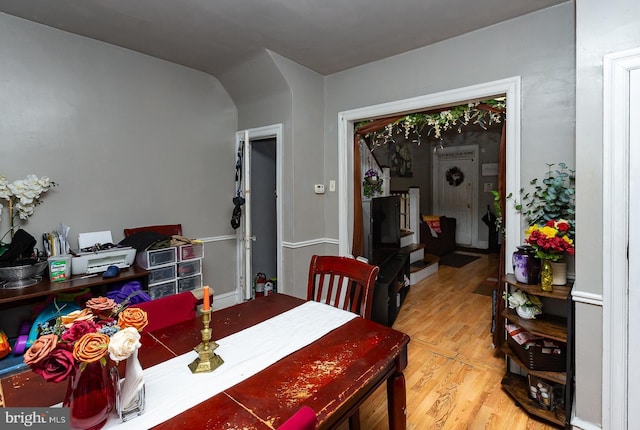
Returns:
(190,252)
(162,274)
(189,268)
(156,257)
(189,283)
(163,289)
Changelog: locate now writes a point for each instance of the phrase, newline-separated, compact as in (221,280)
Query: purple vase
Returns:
(526,267)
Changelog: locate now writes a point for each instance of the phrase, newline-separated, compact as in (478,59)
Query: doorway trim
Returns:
(511,87)
(615,241)
(243,273)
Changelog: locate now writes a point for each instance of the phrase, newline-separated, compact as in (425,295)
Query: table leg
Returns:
(397,402)
(354,421)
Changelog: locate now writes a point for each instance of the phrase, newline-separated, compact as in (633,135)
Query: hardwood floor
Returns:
(453,376)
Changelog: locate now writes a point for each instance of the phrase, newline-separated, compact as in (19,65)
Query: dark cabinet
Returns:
(390,290)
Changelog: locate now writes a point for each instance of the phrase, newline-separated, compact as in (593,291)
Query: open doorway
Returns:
(259,236)
(264,213)
(509,87)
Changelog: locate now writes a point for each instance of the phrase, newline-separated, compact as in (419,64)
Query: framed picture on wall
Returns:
(400,159)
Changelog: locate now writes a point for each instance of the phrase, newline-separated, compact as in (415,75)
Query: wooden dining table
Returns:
(333,375)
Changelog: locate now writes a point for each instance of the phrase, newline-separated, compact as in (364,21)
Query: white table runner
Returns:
(171,388)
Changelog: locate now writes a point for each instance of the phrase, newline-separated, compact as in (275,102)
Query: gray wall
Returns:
(270,89)
(539,47)
(93,117)
(132,140)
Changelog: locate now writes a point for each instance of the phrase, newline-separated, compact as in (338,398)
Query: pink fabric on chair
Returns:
(304,419)
(169,310)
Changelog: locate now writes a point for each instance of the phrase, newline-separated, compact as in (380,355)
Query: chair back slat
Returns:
(342,282)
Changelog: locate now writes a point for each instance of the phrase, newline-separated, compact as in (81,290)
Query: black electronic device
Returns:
(385,229)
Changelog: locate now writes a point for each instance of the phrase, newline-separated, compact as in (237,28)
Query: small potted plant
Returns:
(553,199)
(549,210)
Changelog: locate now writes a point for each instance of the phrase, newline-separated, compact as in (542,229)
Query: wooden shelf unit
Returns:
(555,327)
(46,288)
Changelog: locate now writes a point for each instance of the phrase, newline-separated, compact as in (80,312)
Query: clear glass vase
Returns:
(131,393)
(546,276)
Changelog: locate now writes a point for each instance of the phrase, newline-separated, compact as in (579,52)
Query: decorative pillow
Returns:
(433,221)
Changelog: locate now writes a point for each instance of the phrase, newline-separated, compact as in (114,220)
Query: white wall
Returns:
(132,140)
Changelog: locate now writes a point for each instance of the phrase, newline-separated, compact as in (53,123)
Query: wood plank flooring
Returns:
(454,373)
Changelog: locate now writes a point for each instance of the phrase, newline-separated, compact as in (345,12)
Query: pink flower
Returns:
(56,366)
(79,329)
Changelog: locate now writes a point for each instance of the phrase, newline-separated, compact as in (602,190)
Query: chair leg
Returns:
(354,421)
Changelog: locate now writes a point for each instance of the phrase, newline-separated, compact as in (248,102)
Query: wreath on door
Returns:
(454,176)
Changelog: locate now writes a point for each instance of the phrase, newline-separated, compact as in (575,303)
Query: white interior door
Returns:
(455,190)
(244,234)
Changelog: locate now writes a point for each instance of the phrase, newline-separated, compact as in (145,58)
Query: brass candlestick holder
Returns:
(207,360)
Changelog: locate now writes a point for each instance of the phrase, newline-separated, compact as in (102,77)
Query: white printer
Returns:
(97,261)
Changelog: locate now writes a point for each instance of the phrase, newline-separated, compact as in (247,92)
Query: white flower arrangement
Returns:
(23,195)
(520,299)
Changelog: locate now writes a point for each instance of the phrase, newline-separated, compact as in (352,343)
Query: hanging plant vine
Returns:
(433,124)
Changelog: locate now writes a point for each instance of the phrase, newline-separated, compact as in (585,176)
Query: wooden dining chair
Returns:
(304,419)
(166,229)
(169,310)
(343,282)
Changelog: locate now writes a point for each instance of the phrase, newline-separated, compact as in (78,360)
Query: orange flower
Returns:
(101,307)
(40,348)
(133,317)
(91,347)
(83,315)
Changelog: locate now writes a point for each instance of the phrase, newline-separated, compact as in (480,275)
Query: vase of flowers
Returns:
(527,307)
(81,347)
(550,242)
(91,395)
(131,393)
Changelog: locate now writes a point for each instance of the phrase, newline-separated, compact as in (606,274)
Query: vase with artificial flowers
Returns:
(550,242)
(81,347)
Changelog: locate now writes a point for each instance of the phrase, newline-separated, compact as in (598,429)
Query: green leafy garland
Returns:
(435,123)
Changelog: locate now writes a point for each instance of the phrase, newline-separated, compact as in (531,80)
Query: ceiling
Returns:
(326,36)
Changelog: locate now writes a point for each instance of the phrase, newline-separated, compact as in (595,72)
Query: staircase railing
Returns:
(409,199)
